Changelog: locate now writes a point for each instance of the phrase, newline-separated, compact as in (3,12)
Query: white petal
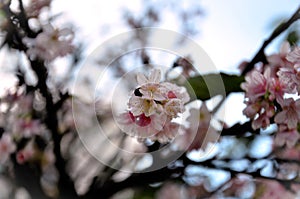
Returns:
(155,76)
(141,79)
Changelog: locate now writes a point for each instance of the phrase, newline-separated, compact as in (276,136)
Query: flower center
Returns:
(171,95)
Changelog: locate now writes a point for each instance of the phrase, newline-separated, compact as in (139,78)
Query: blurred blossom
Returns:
(26,154)
(267,189)
(200,132)
(7,147)
(35,7)
(290,115)
(286,137)
(50,44)
(241,186)
(172,191)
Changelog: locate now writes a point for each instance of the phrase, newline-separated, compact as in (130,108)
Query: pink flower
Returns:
(200,132)
(285,136)
(290,78)
(261,91)
(173,107)
(260,112)
(7,147)
(141,126)
(35,7)
(50,44)
(169,132)
(174,91)
(290,114)
(26,154)
(289,73)
(152,107)
(279,60)
(294,56)
(267,189)
(255,85)
(171,191)
(27,127)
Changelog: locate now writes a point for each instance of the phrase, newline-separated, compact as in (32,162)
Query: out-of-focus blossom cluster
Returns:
(35,7)
(272,95)
(20,125)
(50,43)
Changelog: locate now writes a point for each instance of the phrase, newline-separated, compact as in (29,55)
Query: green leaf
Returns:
(293,37)
(207,86)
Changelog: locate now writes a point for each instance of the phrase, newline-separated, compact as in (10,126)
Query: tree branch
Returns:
(260,55)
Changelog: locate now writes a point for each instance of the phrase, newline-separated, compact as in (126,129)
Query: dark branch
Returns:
(260,55)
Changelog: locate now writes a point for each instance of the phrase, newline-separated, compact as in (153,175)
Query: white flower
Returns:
(151,108)
(7,147)
(139,105)
(141,126)
(174,91)
(154,77)
(35,7)
(50,44)
(173,107)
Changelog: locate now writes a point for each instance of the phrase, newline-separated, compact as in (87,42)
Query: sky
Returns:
(231,30)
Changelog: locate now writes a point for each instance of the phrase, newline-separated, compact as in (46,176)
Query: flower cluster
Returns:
(266,95)
(152,107)
(20,126)
(35,7)
(50,44)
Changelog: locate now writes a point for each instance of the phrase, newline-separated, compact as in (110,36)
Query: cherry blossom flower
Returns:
(141,126)
(290,78)
(267,189)
(27,127)
(290,115)
(50,44)
(7,147)
(261,91)
(171,191)
(200,132)
(169,132)
(289,73)
(35,7)
(141,105)
(154,77)
(174,91)
(294,57)
(25,154)
(285,136)
(255,85)
(276,61)
(152,107)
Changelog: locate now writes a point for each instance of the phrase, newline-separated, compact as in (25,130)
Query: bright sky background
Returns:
(231,30)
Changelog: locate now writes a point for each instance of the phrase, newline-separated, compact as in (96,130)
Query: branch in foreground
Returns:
(139,180)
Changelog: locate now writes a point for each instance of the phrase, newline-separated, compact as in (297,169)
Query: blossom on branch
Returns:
(50,44)
(35,7)
(7,147)
(152,107)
